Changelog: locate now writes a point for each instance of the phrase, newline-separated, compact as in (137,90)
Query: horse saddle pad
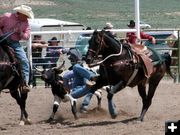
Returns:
(149,57)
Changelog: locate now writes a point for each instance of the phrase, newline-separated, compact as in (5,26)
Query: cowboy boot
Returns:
(26,88)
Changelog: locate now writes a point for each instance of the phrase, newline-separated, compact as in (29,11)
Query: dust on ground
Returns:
(165,106)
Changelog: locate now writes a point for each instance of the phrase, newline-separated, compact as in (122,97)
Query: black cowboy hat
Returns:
(53,39)
(131,23)
(37,36)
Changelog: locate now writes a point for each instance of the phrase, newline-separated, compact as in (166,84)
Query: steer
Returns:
(51,76)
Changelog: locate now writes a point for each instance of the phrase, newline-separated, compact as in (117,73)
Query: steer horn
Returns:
(62,65)
(38,69)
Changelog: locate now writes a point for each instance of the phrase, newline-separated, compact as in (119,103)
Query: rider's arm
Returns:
(25,33)
(149,37)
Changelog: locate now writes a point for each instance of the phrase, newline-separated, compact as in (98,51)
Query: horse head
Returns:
(101,43)
(94,48)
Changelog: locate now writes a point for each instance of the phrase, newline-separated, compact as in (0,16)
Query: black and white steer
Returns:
(51,76)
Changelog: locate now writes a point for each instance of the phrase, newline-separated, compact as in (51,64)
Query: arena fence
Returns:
(69,38)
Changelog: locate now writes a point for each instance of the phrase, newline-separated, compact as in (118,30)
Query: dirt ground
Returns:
(165,107)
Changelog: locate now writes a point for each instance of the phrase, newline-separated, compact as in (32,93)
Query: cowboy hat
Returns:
(25,10)
(53,39)
(109,25)
(131,24)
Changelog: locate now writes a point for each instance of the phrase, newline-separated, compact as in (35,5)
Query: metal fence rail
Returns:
(68,39)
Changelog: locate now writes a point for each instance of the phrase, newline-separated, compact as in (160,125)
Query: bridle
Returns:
(102,44)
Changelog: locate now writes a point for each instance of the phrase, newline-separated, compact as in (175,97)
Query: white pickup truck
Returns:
(46,24)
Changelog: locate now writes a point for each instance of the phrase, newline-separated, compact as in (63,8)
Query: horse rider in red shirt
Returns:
(132,38)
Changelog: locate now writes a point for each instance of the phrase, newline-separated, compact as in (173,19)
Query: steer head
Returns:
(51,75)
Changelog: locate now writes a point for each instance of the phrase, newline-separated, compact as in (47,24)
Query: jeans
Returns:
(79,75)
(21,55)
(86,101)
(68,79)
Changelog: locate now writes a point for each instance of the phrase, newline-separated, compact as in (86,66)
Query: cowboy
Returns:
(17,24)
(82,42)
(109,26)
(132,38)
(37,45)
(54,51)
(79,80)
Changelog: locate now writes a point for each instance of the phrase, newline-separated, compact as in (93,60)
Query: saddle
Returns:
(144,54)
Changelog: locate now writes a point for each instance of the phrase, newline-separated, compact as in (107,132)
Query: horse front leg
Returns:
(21,100)
(111,106)
(24,113)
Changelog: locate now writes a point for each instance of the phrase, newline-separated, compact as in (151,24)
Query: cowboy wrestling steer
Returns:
(51,76)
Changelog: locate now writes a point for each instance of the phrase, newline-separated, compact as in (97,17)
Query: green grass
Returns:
(95,13)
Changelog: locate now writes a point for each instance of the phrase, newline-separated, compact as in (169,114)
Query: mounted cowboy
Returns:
(132,38)
(140,50)
(16,27)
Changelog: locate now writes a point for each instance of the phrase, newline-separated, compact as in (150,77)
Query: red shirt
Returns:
(9,21)
(132,37)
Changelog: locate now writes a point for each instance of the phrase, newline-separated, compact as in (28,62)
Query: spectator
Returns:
(37,45)
(132,38)
(109,26)
(17,23)
(82,42)
(53,52)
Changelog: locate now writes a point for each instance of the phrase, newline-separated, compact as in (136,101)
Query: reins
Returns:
(102,43)
(6,35)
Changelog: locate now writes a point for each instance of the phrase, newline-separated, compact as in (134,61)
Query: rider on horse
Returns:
(16,27)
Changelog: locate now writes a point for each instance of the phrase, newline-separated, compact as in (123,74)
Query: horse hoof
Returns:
(49,120)
(113,116)
(28,122)
(109,96)
(21,123)
(76,117)
(140,119)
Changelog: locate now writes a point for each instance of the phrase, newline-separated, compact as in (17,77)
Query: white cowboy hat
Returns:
(109,25)
(26,10)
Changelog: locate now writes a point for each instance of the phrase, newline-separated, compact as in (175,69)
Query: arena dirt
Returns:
(165,107)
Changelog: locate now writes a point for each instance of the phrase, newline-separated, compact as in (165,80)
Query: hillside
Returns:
(95,13)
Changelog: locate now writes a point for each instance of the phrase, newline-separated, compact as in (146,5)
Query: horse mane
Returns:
(114,43)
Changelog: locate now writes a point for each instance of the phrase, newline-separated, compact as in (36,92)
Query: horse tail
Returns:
(167,58)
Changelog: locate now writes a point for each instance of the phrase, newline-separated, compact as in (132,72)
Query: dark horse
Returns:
(11,78)
(121,67)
